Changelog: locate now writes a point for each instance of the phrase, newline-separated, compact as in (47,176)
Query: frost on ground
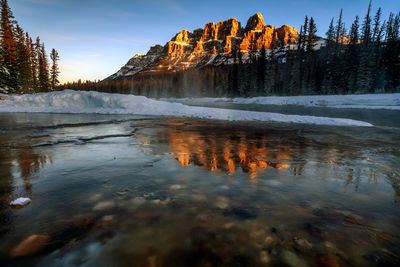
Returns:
(69,101)
(370,101)
(22,201)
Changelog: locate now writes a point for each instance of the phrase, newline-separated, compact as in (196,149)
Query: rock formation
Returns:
(213,45)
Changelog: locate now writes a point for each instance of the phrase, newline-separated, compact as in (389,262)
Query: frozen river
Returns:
(126,190)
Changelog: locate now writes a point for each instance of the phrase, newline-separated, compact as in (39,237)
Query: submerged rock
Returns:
(222,202)
(292,260)
(313,230)
(107,218)
(31,245)
(328,260)
(105,205)
(176,187)
(71,230)
(264,257)
(302,243)
(20,202)
(138,201)
(244,213)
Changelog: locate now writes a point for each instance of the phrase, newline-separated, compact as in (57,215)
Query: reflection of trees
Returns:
(394,181)
(6,188)
(29,162)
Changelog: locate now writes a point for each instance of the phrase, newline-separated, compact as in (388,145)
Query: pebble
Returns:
(105,205)
(222,202)
(229,225)
(302,243)
(138,201)
(328,260)
(107,218)
(30,246)
(313,230)
(291,259)
(199,197)
(156,201)
(123,192)
(269,240)
(95,197)
(264,257)
(244,213)
(176,187)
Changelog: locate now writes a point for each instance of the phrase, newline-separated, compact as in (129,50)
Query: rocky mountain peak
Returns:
(255,23)
(212,45)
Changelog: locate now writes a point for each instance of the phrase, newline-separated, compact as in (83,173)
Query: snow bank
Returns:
(371,101)
(70,101)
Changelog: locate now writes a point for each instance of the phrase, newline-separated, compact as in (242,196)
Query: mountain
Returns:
(214,45)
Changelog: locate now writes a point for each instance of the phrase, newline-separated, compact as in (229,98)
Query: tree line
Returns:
(24,65)
(364,58)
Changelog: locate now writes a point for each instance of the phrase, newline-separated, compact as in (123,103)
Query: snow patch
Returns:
(69,101)
(22,201)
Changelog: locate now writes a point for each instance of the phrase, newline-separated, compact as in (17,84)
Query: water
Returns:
(159,191)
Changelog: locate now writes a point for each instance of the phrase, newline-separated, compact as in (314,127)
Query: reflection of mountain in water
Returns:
(256,149)
(226,151)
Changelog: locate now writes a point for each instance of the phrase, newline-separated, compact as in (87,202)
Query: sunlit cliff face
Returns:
(229,155)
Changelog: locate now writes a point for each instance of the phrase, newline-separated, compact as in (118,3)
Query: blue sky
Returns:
(96,37)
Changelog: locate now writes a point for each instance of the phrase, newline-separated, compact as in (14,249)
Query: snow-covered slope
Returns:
(69,101)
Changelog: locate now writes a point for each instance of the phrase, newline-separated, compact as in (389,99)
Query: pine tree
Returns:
(8,46)
(330,34)
(364,79)
(366,28)
(34,64)
(305,31)
(22,63)
(352,57)
(311,62)
(54,72)
(391,55)
(30,79)
(339,30)
(261,68)
(377,26)
(312,36)
(300,40)
(43,77)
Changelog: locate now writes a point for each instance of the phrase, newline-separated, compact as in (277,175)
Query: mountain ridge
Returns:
(215,44)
